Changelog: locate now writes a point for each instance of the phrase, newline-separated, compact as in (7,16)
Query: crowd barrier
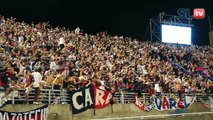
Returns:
(62,97)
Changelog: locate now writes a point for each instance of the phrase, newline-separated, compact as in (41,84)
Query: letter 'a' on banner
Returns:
(102,98)
(82,100)
(36,114)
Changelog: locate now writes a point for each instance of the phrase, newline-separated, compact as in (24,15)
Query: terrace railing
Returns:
(49,96)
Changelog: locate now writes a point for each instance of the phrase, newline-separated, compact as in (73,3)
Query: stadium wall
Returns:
(63,112)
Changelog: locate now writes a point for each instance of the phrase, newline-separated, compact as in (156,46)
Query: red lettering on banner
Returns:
(102,98)
(139,104)
(181,104)
(165,103)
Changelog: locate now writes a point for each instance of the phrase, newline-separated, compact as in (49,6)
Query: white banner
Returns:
(166,103)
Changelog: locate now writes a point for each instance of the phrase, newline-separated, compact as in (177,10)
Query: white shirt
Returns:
(61,40)
(145,72)
(109,64)
(157,88)
(139,68)
(38,78)
(20,38)
(53,66)
(72,57)
(102,85)
(77,30)
(39,34)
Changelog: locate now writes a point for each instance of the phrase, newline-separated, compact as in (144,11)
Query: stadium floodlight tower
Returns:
(156,22)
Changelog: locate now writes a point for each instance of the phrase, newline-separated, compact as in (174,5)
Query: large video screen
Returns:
(176,34)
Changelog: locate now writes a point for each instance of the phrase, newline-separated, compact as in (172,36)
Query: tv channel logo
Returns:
(198,13)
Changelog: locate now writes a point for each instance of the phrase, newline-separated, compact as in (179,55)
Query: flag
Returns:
(81,100)
(102,98)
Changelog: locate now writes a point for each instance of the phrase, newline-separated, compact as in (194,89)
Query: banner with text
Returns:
(102,97)
(89,97)
(142,106)
(82,99)
(36,114)
(165,103)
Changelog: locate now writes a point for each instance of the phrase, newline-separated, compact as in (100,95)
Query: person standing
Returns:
(37,78)
(61,42)
(158,90)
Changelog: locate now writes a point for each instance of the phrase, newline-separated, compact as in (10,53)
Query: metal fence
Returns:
(46,96)
(62,97)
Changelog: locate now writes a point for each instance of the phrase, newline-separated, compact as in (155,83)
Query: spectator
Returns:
(37,78)
(72,60)
(61,42)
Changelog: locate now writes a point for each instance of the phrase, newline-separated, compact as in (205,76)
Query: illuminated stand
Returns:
(156,22)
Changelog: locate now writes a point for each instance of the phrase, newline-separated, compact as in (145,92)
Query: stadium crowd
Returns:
(44,57)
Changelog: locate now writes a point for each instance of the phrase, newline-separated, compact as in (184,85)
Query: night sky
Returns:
(118,17)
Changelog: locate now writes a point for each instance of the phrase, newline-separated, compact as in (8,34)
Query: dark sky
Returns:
(128,18)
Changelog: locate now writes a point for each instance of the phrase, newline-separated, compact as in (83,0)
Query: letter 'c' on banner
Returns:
(74,99)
